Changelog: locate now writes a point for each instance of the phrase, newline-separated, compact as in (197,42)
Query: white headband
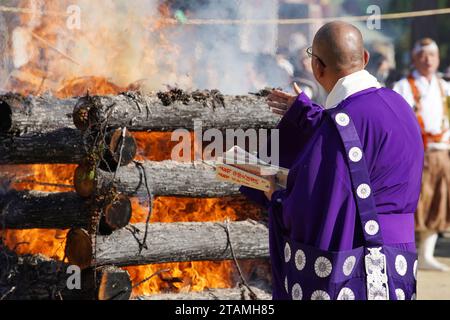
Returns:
(430,47)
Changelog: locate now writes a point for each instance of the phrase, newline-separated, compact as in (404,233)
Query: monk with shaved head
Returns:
(340,47)
(343,228)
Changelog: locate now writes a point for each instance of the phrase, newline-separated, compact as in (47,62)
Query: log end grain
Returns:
(84,180)
(118,150)
(116,215)
(79,248)
(103,283)
(81,116)
(113,284)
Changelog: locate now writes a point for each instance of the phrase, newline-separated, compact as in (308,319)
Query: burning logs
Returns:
(62,210)
(21,115)
(174,109)
(171,242)
(165,178)
(34,209)
(59,146)
(33,277)
(41,130)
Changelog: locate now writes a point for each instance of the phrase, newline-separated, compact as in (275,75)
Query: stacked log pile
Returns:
(94,132)
(29,125)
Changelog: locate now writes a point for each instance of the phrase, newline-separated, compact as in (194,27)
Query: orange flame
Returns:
(40,177)
(194,275)
(155,146)
(80,86)
(128,44)
(198,275)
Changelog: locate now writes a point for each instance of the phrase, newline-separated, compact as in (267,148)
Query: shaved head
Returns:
(340,45)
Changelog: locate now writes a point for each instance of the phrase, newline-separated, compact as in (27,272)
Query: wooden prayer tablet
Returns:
(239,159)
(225,172)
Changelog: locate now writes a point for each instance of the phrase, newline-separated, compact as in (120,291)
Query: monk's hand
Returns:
(280,102)
(273,187)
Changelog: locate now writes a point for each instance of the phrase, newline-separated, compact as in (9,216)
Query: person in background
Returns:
(380,67)
(427,93)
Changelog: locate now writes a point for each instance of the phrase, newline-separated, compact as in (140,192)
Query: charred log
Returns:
(34,209)
(59,146)
(32,277)
(34,115)
(170,242)
(65,146)
(63,210)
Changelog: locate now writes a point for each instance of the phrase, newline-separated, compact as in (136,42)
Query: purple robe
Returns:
(318,208)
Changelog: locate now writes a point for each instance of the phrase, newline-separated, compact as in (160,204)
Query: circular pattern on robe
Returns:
(400,294)
(320,295)
(287,252)
(378,294)
(363,191)
(401,265)
(355,154)
(297,292)
(348,266)
(286,285)
(342,119)
(415,270)
(371,227)
(346,294)
(323,267)
(300,260)
(413,297)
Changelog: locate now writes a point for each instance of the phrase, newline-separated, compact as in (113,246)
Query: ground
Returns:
(436,285)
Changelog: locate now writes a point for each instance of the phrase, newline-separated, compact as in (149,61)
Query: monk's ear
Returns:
(320,69)
(366,57)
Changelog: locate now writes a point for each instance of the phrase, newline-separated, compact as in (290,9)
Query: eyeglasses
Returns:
(311,54)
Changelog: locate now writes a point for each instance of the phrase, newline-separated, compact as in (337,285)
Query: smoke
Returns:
(129,41)
(233,58)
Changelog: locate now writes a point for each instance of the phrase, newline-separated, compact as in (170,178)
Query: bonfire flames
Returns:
(126,50)
(195,276)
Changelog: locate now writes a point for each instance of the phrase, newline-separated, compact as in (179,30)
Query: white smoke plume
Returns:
(128,42)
